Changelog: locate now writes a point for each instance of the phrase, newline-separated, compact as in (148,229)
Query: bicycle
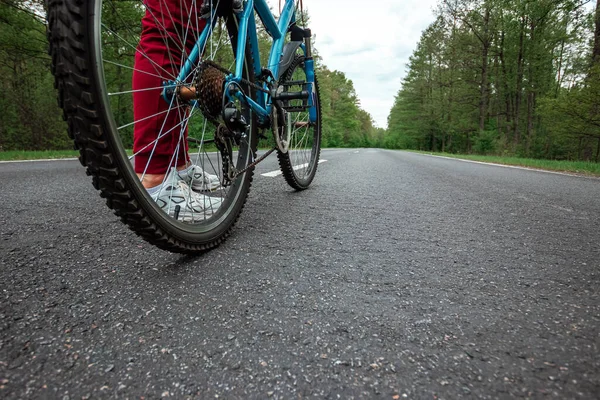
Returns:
(212,83)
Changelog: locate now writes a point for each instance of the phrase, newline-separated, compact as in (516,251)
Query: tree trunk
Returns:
(596,50)
(531,89)
(451,91)
(507,96)
(530,114)
(560,62)
(519,83)
(483,92)
(430,102)
(468,142)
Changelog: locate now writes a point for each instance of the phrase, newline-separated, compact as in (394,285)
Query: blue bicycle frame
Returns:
(247,31)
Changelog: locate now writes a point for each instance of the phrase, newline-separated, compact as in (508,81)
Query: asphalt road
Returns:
(394,276)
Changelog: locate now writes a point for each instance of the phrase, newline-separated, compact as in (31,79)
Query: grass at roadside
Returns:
(577,167)
(37,155)
(18,155)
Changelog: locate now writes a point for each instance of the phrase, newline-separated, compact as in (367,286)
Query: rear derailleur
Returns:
(225,140)
(230,133)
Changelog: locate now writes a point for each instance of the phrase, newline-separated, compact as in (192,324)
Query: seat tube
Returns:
(242,37)
(287,14)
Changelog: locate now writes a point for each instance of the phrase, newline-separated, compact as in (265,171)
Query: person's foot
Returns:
(176,199)
(200,180)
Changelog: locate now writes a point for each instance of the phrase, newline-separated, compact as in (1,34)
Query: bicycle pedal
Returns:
(293,83)
(293,109)
(286,96)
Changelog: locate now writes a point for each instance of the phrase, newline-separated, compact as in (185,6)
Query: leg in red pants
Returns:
(166,25)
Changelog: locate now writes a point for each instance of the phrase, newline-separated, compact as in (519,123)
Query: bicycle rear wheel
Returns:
(110,71)
(299,164)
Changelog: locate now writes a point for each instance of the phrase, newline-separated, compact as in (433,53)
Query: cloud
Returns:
(361,50)
(370,42)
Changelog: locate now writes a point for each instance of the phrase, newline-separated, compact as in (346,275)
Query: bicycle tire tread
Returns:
(285,164)
(68,38)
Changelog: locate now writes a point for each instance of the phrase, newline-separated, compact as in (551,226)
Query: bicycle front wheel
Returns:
(111,72)
(299,164)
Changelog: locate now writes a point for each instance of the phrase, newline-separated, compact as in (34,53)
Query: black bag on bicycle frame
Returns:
(224,7)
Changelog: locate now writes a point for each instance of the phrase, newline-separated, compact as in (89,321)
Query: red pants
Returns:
(158,58)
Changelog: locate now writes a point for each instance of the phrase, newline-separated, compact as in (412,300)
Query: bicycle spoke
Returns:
(136,90)
(146,118)
(153,16)
(175,30)
(203,151)
(157,139)
(131,68)
(123,57)
(139,51)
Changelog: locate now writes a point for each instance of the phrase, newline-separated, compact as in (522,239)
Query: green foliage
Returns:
(31,119)
(485,143)
(503,77)
(345,124)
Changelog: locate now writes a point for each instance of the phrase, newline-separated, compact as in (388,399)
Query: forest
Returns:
(504,77)
(31,120)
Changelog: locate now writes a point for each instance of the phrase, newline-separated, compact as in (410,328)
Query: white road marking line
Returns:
(273,174)
(512,166)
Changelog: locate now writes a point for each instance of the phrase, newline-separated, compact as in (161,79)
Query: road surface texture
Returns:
(394,276)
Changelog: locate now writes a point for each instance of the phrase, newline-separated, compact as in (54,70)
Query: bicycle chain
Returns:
(254,163)
(257,87)
(225,71)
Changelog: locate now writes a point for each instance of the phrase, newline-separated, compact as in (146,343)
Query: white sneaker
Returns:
(179,201)
(200,180)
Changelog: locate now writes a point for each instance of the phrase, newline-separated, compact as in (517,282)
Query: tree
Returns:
(505,76)
(30,117)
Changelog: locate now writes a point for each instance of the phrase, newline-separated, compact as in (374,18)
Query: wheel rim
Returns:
(117,47)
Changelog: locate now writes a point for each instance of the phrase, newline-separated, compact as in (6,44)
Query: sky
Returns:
(371,42)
